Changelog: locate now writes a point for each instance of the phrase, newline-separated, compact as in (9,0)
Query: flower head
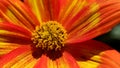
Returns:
(57,33)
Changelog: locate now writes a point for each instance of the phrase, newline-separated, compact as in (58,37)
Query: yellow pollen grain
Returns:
(49,36)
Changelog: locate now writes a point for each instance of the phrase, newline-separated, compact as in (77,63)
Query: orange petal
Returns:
(42,62)
(71,62)
(65,61)
(40,8)
(94,54)
(15,28)
(46,10)
(11,33)
(17,13)
(98,18)
(7,47)
(18,57)
(12,37)
(110,59)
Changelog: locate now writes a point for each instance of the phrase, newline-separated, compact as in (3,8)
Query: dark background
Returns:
(111,38)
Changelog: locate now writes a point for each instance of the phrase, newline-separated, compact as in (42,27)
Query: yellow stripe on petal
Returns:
(52,64)
(12,37)
(16,60)
(31,64)
(27,61)
(96,58)
(93,62)
(100,19)
(1,20)
(61,63)
(11,17)
(7,46)
(91,23)
(40,9)
(68,9)
(94,7)
(66,61)
(88,64)
(9,34)
(11,12)
(36,9)
(73,13)
(110,59)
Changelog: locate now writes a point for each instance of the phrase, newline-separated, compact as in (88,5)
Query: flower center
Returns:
(49,36)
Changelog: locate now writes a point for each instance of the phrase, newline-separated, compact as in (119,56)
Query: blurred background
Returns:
(112,38)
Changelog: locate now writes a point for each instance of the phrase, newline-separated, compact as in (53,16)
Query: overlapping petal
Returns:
(11,33)
(7,47)
(16,12)
(83,55)
(41,9)
(94,54)
(83,19)
(91,20)
(20,57)
(65,61)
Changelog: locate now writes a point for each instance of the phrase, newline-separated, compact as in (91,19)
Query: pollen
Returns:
(50,35)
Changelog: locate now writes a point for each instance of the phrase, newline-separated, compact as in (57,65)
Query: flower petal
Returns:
(7,47)
(65,61)
(93,20)
(7,36)
(20,57)
(42,62)
(16,12)
(110,59)
(15,28)
(14,34)
(40,9)
(71,62)
(94,54)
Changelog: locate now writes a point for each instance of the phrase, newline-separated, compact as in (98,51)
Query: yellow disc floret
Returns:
(49,36)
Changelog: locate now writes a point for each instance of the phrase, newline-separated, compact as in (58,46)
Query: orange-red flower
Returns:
(57,33)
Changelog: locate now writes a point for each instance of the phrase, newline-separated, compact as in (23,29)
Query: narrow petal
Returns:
(42,62)
(20,57)
(7,47)
(94,54)
(64,61)
(16,12)
(15,28)
(92,20)
(40,8)
(71,62)
(12,37)
(11,33)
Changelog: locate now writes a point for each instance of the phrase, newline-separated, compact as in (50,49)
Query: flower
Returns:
(57,33)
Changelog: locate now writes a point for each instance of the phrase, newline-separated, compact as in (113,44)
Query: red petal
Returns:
(41,9)
(7,47)
(110,59)
(10,57)
(42,62)
(15,28)
(14,34)
(98,19)
(16,12)
(70,60)
(94,54)
(64,61)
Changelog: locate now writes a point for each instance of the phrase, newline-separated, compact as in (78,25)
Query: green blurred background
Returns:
(112,38)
